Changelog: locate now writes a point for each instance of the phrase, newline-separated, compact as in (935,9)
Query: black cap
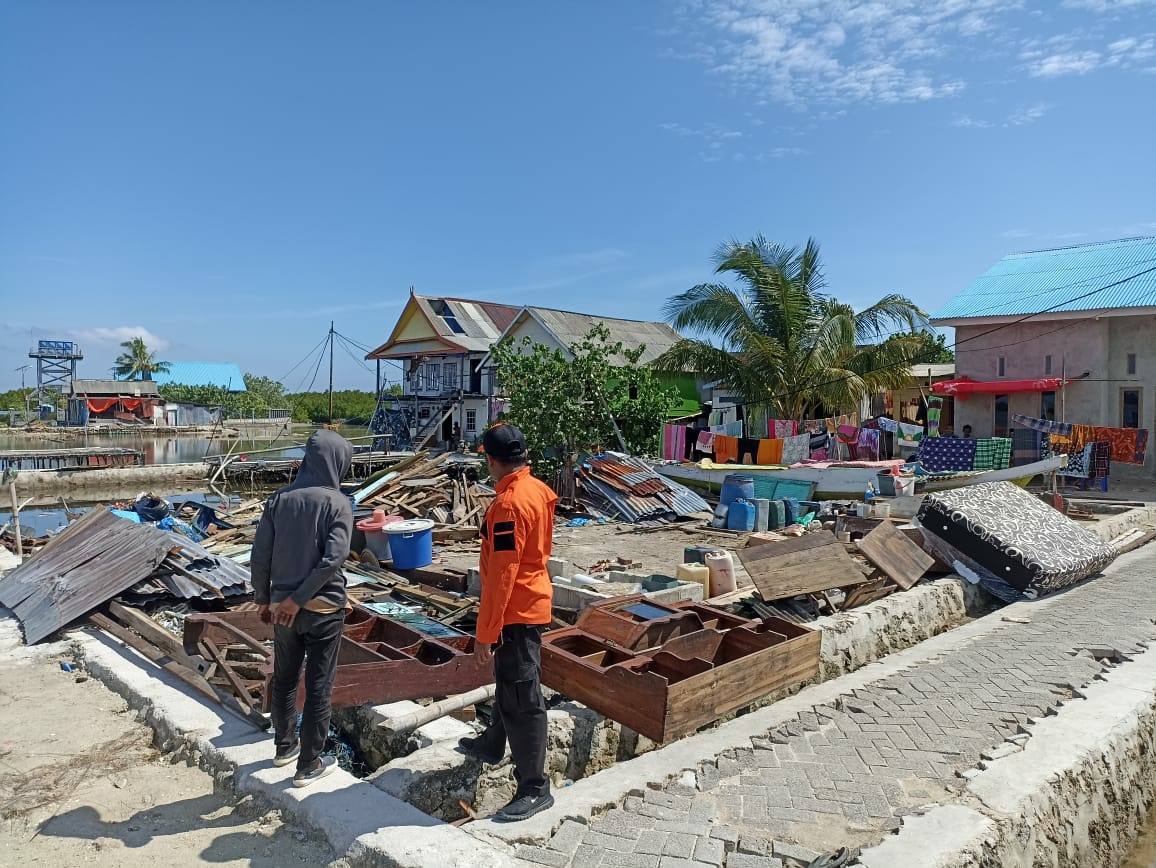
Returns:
(504,442)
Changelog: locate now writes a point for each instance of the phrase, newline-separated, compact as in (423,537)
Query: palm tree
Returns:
(780,341)
(138,362)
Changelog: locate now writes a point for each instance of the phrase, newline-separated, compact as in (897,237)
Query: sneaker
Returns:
(288,756)
(324,766)
(524,808)
(473,747)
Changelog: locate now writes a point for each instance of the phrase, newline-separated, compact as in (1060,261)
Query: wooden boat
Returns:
(840,481)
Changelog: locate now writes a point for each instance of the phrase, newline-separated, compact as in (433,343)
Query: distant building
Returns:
(223,375)
(112,401)
(1066,334)
(443,344)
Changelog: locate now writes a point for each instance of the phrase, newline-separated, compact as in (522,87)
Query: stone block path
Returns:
(845,774)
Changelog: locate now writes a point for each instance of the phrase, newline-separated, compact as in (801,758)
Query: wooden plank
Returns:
(803,565)
(137,620)
(214,653)
(890,550)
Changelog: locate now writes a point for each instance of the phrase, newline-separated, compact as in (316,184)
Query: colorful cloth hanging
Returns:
(674,442)
(726,448)
(783,428)
(934,411)
(1128,445)
(705,441)
(796,449)
(101,405)
(992,453)
(887,424)
(944,454)
(867,445)
(770,451)
(910,435)
(734,429)
(1064,429)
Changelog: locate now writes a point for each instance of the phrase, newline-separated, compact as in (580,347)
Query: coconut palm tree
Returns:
(779,340)
(138,362)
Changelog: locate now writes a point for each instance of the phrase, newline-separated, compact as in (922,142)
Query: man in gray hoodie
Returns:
(301,543)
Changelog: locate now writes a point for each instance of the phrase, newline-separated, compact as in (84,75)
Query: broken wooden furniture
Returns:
(893,552)
(665,671)
(808,564)
(381,659)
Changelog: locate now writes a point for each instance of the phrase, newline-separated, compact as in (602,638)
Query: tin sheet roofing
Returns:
(224,375)
(1099,276)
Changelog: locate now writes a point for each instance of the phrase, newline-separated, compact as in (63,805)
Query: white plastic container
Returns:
(721,566)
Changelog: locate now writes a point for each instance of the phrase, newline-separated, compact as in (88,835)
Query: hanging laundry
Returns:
(934,411)
(726,449)
(1047,426)
(887,424)
(848,434)
(1079,463)
(674,442)
(944,454)
(797,448)
(734,429)
(770,451)
(1100,465)
(992,453)
(867,446)
(783,428)
(910,434)
(705,441)
(748,450)
(1128,445)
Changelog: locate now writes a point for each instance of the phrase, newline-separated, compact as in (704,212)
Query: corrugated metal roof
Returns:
(128,388)
(1052,281)
(225,375)
(572,327)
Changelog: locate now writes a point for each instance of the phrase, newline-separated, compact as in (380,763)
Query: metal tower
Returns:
(55,367)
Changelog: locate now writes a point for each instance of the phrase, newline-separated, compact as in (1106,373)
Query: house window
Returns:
(433,376)
(423,413)
(1048,405)
(471,421)
(1047,366)
(448,316)
(1131,364)
(1001,366)
(999,422)
(450,375)
(1129,408)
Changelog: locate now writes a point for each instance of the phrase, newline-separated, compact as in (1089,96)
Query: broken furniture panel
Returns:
(665,671)
(380,659)
(800,565)
(894,553)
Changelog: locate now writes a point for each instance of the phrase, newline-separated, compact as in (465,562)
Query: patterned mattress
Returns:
(1016,536)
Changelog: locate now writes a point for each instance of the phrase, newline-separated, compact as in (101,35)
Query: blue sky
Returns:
(225,178)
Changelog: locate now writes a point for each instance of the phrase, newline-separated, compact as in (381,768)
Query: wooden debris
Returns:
(891,551)
(803,565)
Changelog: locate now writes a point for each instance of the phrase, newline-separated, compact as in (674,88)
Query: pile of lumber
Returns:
(444,488)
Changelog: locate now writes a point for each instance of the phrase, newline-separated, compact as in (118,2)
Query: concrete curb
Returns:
(361,823)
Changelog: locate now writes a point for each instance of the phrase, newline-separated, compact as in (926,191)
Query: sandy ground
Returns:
(81,784)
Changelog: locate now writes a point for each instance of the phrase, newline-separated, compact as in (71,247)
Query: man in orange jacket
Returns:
(517,595)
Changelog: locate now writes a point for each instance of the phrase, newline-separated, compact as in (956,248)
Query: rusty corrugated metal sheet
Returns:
(630,488)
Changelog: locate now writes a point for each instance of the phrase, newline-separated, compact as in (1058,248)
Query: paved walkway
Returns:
(846,774)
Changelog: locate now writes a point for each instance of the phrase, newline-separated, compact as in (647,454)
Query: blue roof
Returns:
(1054,280)
(222,374)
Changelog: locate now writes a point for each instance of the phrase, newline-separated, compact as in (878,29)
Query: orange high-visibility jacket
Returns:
(517,536)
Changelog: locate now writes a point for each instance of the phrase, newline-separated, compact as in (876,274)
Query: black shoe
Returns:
(321,768)
(524,808)
(473,747)
(283,758)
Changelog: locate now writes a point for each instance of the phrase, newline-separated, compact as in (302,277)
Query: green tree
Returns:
(933,349)
(138,362)
(781,341)
(351,405)
(565,407)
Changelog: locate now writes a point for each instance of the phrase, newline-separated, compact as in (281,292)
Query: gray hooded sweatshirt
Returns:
(303,536)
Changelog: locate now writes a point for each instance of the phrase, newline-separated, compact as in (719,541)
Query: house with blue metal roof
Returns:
(223,375)
(1067,334)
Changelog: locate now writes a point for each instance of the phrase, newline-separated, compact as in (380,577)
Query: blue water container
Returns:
(735,486)
(411,543)
(741,515)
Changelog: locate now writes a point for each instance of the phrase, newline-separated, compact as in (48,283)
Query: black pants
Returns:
(521,710)
(312,638)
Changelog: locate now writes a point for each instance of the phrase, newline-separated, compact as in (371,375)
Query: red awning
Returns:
(965,386)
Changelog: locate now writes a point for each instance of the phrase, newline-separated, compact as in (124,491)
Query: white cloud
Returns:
(1064,63)
(1027,115)
(808,52)
(968,122)
(116,335)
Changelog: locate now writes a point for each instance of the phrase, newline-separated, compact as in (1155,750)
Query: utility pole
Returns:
(331,372)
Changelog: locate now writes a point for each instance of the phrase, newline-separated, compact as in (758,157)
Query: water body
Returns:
(177,450)
(1143,855)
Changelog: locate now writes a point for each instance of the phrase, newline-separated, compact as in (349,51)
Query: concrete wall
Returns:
(1099,346)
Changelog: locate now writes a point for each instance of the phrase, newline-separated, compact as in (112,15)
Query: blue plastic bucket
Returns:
(411,543)
(737,486)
